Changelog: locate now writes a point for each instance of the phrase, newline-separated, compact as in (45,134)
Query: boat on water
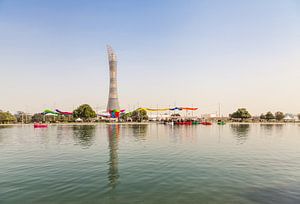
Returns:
(184,123)
(206,123)
(221,123)
(189,122)
(39,125)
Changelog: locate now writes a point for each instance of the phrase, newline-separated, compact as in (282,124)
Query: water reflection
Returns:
(63,134)
(5,126)
(263,170)
(139,131)
(113,141)
(2,131)
(220,131)
(269,128)
(84,134)
(240,131)
(181,134)
(279,127)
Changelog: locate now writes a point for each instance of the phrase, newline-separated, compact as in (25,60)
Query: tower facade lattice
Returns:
(113,100)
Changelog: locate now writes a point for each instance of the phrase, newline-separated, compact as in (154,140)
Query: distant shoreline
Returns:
(142,123)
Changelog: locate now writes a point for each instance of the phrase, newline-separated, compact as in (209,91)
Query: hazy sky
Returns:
(200,53)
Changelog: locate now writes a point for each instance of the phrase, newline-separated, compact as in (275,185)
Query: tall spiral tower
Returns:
(113,100)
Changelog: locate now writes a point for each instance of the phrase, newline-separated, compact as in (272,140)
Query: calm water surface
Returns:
(150,164)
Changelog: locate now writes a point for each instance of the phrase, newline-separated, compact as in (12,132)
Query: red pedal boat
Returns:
(184,123)
(206,123)
(38,125)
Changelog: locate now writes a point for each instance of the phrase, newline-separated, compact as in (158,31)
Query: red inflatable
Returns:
(38,125)
(206,123)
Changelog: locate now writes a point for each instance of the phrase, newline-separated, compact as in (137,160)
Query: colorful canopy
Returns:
(112,113)
(115,113)
(63,113)
(47,111)
(168,109)
(56,112)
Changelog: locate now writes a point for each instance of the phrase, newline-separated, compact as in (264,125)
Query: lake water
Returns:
(110,163)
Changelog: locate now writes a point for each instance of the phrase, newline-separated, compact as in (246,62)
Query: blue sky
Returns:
(183,52)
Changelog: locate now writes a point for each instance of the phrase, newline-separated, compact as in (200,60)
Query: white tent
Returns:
(78,120)
(288,118)
(52,114)
(104,114)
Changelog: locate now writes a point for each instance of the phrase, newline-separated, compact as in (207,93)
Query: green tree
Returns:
(279,115)
(65,118)
(126,116)
(84,112)
(38,117)
(139,115)
(7,117)
(270,116)
(262,116)
(241,113)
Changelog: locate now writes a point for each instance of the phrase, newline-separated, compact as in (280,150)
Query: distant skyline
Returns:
(170,52)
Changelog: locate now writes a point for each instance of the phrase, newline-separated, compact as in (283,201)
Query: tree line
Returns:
(243,114)
(86,113)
